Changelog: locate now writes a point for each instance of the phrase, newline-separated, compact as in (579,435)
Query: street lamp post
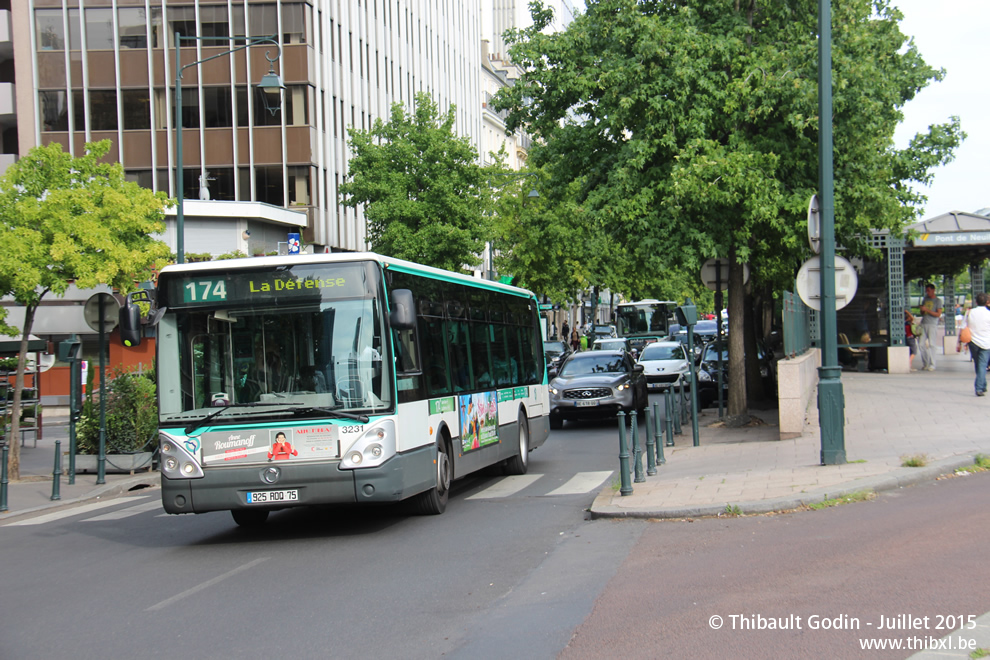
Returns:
(271,86)
(831,402)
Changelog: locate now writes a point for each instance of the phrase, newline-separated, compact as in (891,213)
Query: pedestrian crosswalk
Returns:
(582,482)
(535,484)
(75,511)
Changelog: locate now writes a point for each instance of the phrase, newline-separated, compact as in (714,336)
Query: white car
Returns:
(664,363)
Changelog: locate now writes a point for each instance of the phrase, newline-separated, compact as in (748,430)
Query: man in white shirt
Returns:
(978,322)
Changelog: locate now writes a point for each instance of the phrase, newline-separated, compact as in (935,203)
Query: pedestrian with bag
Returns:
(910,337)
(978,325)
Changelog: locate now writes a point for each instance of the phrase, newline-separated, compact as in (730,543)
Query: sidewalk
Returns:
(887,416)
(33,492)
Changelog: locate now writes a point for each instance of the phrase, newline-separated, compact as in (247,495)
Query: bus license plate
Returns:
(266,496)
(586,404)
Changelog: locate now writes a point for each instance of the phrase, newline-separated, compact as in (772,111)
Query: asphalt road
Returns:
(510,570)
(513,569)
(918,552)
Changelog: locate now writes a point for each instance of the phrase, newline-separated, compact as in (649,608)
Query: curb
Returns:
(104,491)
(897,478)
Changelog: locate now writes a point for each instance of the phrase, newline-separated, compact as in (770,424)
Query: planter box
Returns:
(115,463)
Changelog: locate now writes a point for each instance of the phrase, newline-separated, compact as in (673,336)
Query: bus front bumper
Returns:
(223,489)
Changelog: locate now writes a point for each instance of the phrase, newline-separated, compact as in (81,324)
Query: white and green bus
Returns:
(337,378)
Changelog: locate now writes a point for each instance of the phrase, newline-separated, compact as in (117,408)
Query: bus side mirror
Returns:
(129,316)
(129,322)
(403,314)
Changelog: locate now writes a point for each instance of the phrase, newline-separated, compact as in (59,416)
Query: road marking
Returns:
(209,583)
(128,512)
(67,513)
(582,482)
(507,486)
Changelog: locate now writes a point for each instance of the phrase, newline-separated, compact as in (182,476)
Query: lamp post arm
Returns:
(180,256)
(251,41)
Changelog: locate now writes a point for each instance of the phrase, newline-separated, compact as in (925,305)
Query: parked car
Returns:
(596,384)
(555,352)
(665,363)
(708,373)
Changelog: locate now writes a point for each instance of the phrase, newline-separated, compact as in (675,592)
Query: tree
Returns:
(67,220)
(423,191)
(693,127)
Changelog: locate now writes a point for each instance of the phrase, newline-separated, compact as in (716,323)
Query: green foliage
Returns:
(423,192)
(858,496)
(68,219)
(131,415)
(75,220)
(206,256)
(697,127)
(689,130)
(915,460)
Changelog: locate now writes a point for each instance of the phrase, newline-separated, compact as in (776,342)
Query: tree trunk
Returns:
(737,411)
(754,382)
(14,457)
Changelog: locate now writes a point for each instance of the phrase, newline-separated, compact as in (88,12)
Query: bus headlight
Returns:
(176,462)
(372,448)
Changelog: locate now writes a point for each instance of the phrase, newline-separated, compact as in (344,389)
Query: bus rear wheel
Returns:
(434,501)
(250,517)
(519,463)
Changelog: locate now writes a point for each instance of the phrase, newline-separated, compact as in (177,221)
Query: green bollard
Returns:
(57,473)
(3,479)
(675,408)
(651,445)
(669,420)
(637,450)
(658,434)
(625,488)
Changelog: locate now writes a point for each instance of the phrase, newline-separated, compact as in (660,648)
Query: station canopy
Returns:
(947,243)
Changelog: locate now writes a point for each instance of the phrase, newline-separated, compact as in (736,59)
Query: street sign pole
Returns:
(831,403)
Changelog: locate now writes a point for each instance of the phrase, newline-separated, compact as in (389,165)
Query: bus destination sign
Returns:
(274,286)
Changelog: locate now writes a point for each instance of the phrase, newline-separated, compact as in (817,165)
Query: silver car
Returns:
(596,384)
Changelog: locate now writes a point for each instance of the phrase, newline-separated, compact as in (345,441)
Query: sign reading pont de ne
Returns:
(953,238)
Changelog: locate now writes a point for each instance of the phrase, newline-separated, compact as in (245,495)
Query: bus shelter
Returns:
(871,327)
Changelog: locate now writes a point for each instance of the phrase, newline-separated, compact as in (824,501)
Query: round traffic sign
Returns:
(91,311)
(809,282)
(715,273)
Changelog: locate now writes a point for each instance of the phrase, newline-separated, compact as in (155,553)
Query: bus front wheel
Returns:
(434,501)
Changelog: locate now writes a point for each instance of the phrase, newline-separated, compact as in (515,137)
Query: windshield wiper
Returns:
(336,413)
(195,425)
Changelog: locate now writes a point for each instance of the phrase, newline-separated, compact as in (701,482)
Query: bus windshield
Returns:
(290,347)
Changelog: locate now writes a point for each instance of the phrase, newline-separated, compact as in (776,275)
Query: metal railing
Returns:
(797,325)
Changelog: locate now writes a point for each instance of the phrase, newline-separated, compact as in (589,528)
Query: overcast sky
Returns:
(950,35)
